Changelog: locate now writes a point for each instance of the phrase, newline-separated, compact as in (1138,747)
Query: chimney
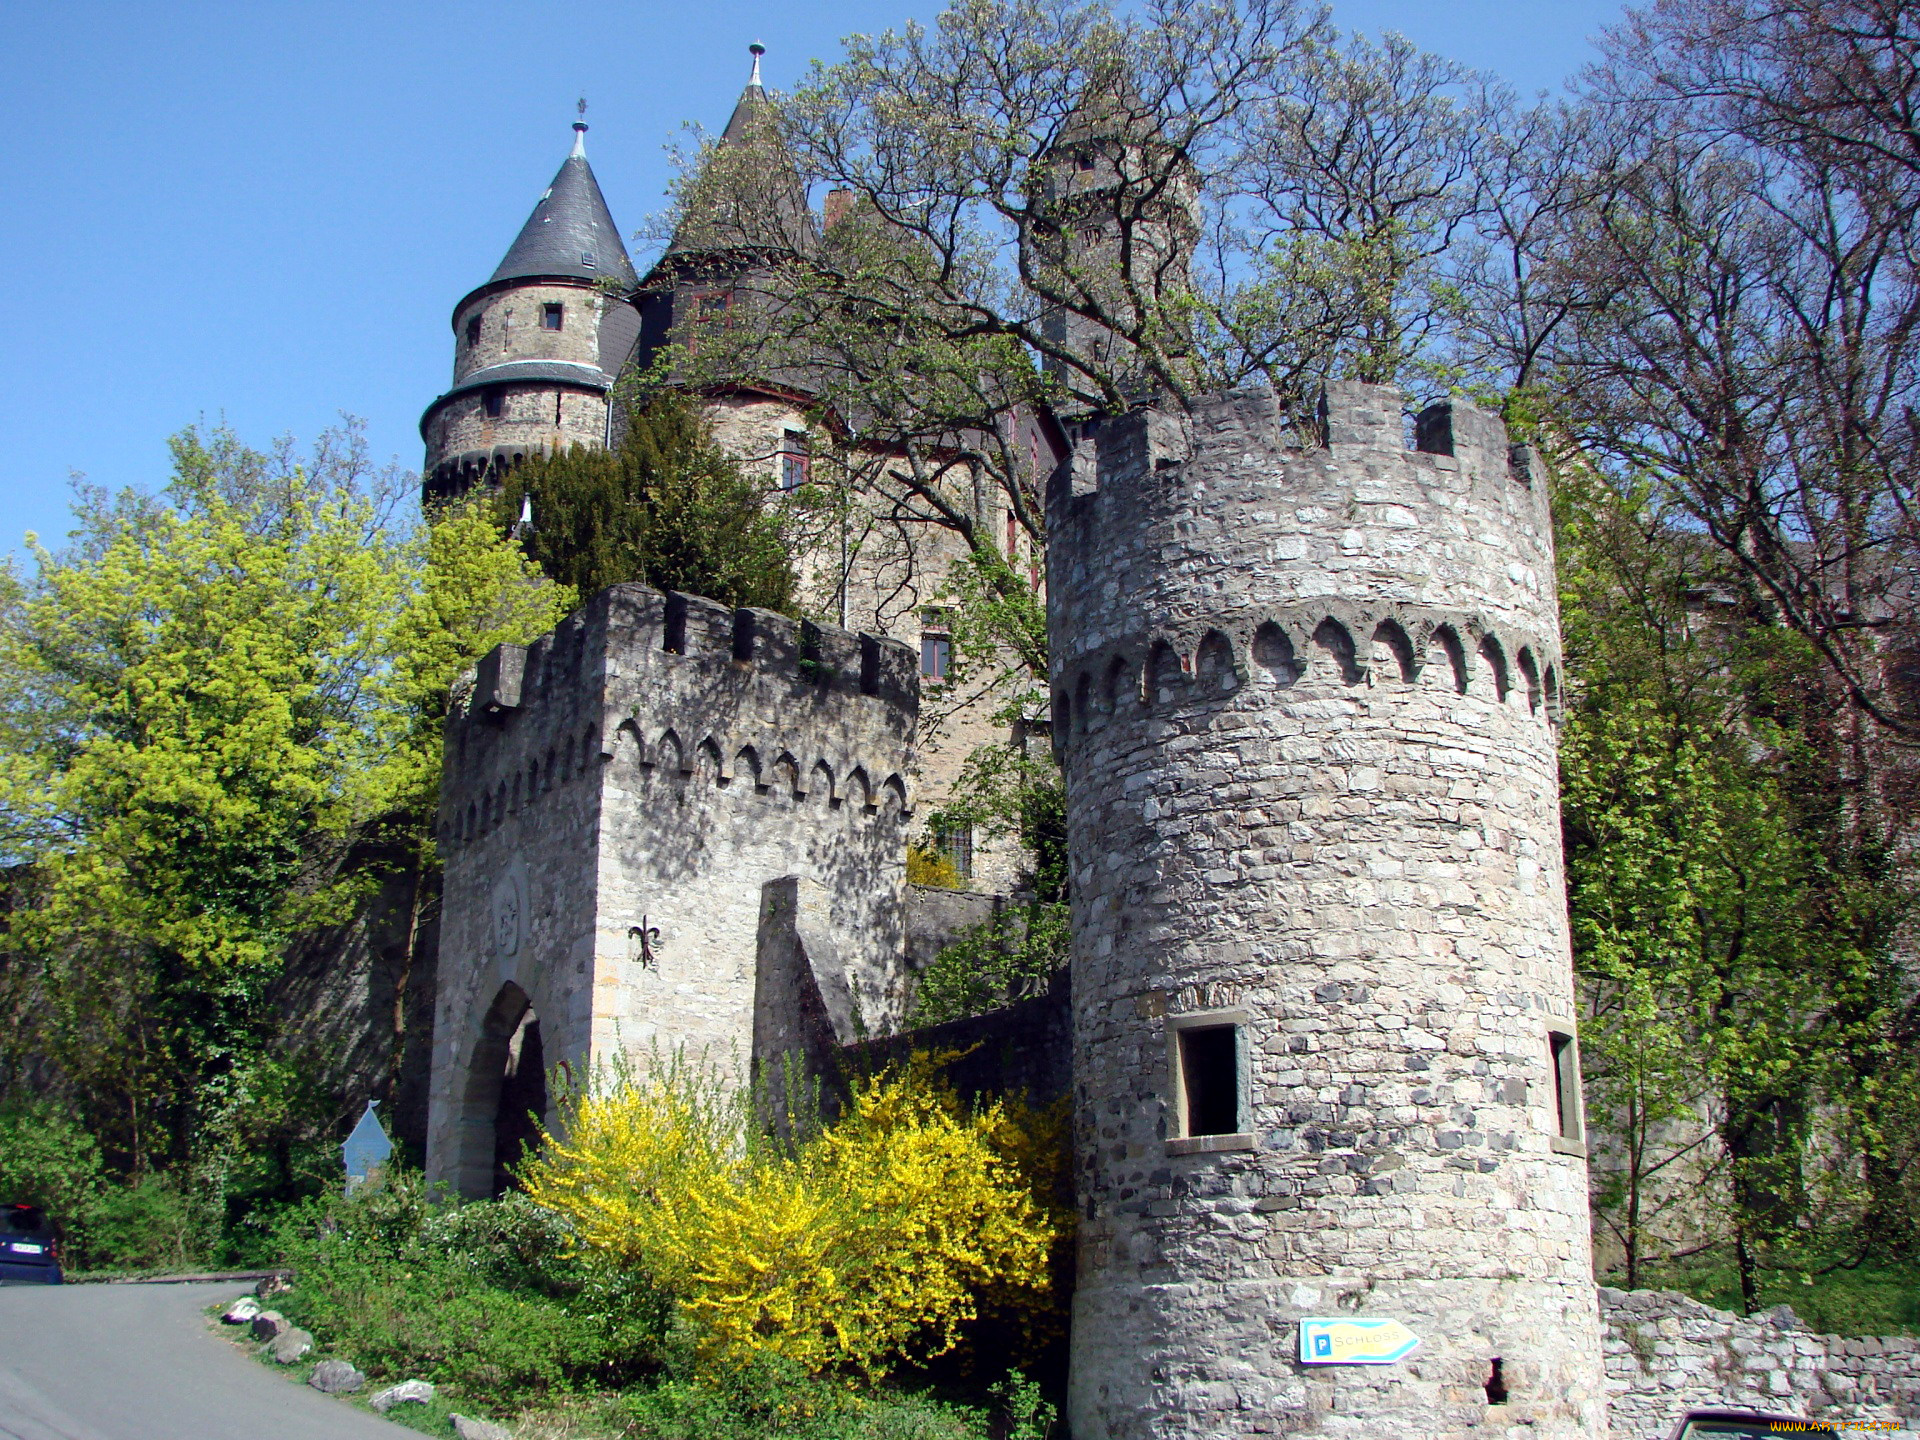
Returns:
(838,205)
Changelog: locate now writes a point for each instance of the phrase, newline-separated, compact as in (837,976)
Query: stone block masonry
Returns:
(1304,685)
(1667,1354)
(649,817)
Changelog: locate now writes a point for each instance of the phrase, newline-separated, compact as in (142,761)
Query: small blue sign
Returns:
(1326,1340)
(366,1150)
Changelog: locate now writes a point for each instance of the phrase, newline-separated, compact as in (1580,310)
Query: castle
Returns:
(1305,683)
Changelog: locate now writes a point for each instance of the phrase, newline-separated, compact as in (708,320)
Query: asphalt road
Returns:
(139,1362)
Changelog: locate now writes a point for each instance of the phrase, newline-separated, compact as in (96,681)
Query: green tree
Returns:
(1732,927)
(666,507)
(1008,789)
(215,692)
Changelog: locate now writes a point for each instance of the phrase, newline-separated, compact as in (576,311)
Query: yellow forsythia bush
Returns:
(870,1240)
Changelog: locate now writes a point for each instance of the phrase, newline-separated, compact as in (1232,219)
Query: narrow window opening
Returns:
(473,332)
(495,402)
(1566,1085)
(869,665)
(708,308)
(1496,1384)
(936,657)
(557,396)
(936,646)
(552,317)
(743,635)
(674,637)
(955,842)
(796,460)
(1210,1079)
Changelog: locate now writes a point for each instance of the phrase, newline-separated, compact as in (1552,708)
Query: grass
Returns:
(773,1405)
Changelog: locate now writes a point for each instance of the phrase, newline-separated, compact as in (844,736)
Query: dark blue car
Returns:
(28,1254)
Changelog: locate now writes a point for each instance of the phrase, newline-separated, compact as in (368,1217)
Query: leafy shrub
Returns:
(926,865)
(48,1160)
(146,1225)
(769,1396)
(867,1242)
(483,1297)
(1000,961)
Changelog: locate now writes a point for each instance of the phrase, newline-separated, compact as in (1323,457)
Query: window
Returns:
(705,308)
(1210,1079)
(1208,1060)
(473,332)
(1564,1055)
(552,317)
(1085,161)
(936,648)
(495,401)
(588,260)
(796,461)
(936,657)
(955,843)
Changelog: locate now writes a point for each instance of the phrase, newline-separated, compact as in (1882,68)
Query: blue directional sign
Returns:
(1353,1342)
(366,1150)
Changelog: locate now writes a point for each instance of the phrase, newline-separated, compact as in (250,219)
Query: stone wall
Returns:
(1667,1354)
(540,414)
(618,800)
(1024,1049)
(1304,683)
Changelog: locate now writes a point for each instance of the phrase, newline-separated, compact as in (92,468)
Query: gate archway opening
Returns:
(505,1102)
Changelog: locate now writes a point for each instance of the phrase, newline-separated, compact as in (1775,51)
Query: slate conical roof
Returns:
(570,231)
(749,195)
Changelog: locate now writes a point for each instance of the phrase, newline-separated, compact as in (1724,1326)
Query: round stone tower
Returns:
(537,348)
(1305,688)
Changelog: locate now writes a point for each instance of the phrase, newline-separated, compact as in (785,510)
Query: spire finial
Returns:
(580,128)
(756,49)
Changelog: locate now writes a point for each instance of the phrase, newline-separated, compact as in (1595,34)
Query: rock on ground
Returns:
(417,1392)
(336,1377)
(268,1323)
(241,1310)
(272,1285)
(468,1428)
(289,1345)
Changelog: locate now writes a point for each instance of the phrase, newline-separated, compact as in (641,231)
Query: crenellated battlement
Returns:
(657,820)
(1239,517)
(1150,454)
(682,685)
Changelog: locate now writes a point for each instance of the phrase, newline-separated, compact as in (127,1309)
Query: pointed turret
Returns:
(748,199)
(571,232)
(537,347)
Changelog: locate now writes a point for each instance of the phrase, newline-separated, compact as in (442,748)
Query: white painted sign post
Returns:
(1326,1341)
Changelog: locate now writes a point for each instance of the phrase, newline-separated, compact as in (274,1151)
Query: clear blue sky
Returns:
(266,210)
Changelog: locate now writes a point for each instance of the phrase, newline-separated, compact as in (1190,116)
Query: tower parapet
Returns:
(1305,683)
(624,803)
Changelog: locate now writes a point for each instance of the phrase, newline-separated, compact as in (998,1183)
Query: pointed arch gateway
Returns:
(504,1101)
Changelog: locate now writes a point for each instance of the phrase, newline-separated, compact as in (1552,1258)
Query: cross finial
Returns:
(580,128)
(581,106)
(756,49)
